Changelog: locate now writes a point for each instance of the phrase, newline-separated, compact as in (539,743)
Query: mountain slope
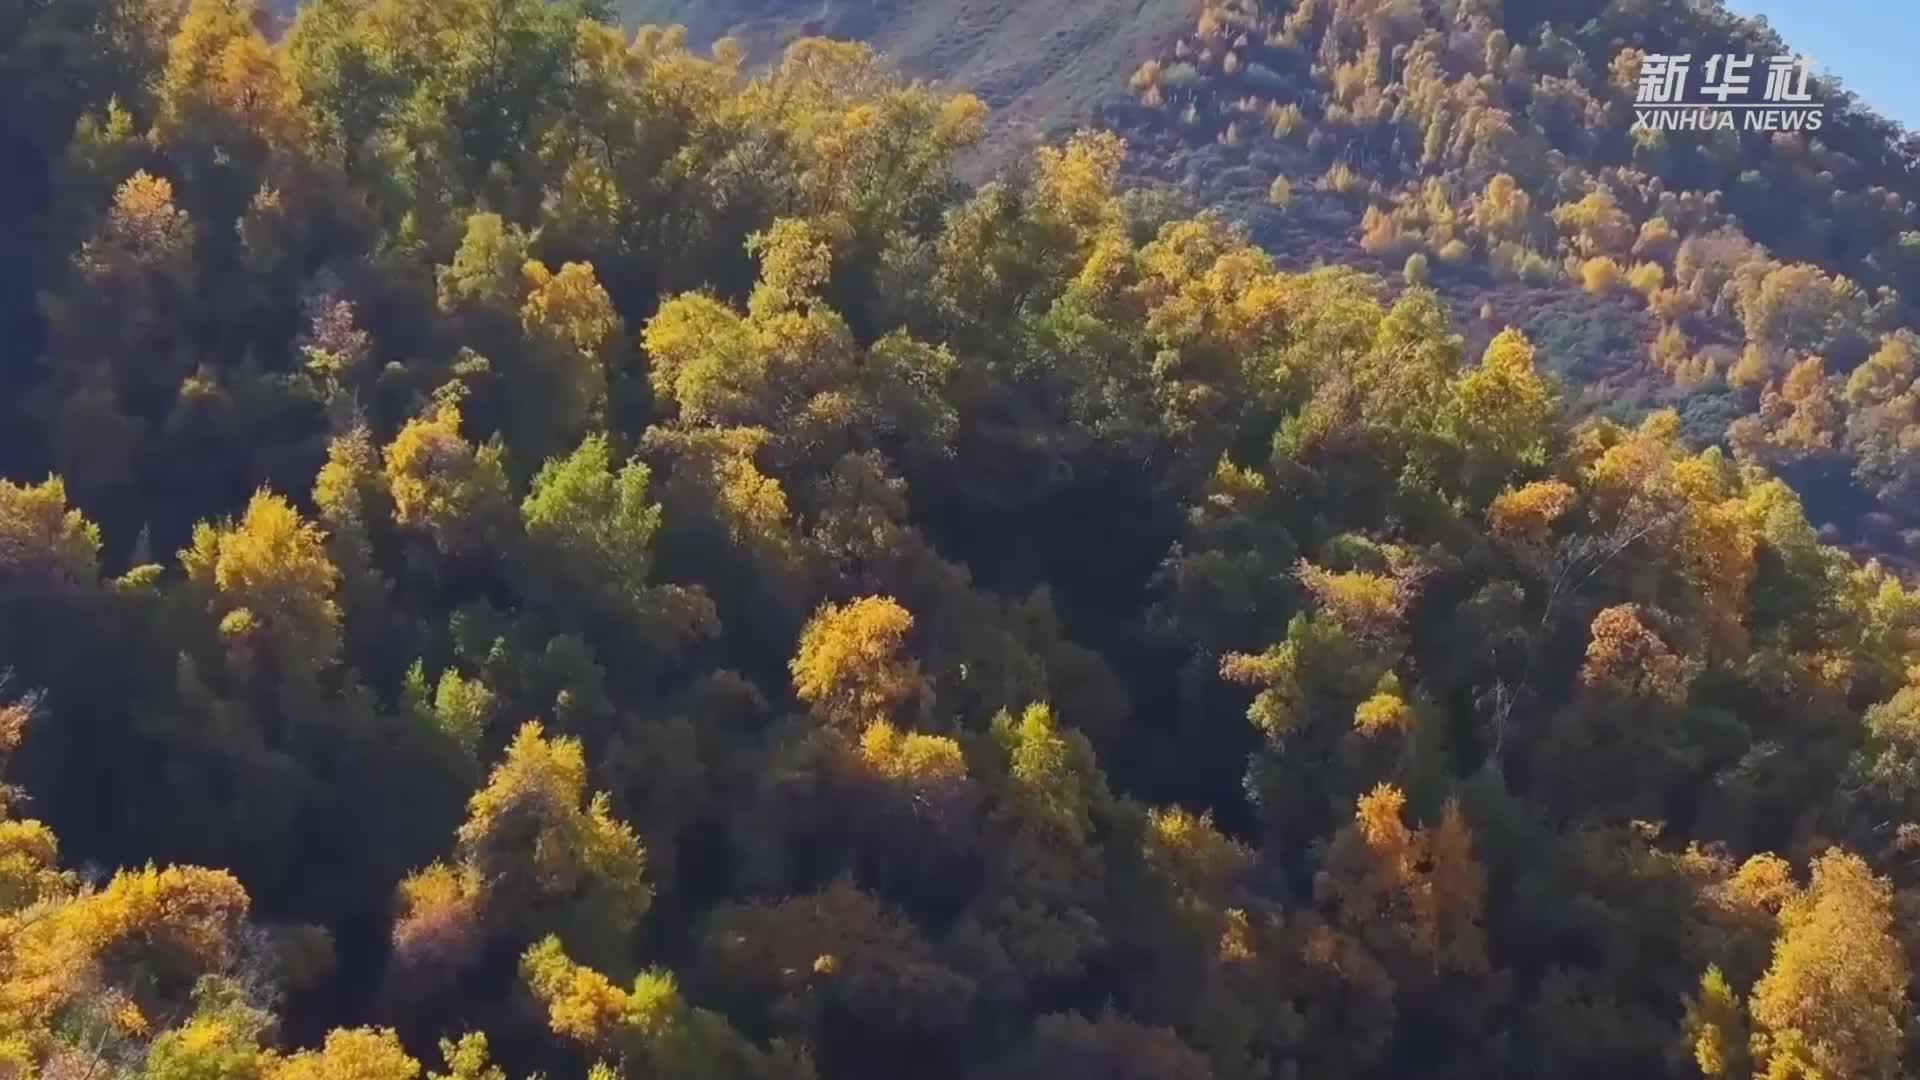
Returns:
(1742,279)
(1039,65)
(1765,284)
(539,511)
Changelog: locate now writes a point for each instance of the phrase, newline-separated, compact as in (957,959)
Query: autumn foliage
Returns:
(522,539)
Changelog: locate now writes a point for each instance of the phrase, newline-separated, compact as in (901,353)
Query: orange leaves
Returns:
(13,725)
(1525,515)
(173,924)
(144,224)
(1423,888)
(1073,342)
(249,82)
(1806,412)
(1799,308)
(1145,77)
(1694,508)
(144,249)
(226,88)
(1380,234)
(1377,815)
(1763,886)
(1834,1002)
(866,142)
(192,913)
(444,485)
(438,928)
(1459,886)
(206,29)
(1625,657)
(851,666)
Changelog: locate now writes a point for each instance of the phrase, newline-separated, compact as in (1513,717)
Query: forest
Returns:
(1769,282)
(532,549)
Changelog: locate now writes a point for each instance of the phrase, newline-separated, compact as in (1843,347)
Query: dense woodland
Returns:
(1769,281)
(528,549)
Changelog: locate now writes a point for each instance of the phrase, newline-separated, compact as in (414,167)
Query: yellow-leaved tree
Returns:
(444,485)
(536,854)
(1834,1002)
(852,667)
(271,584)
(1409,892)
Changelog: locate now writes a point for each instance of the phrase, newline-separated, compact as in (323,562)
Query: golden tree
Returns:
(852,667)
(1834,1003)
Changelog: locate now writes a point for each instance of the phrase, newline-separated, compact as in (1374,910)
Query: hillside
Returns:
(1765,285)
(530,550)
(1391,123)
(1040,66)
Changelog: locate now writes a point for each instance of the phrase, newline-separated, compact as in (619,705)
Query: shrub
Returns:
(1263,79)
(1532,268)
(1600,275)
(1647,278)
(1379,234)
(1286,120)
(1340,179)
(1179,75)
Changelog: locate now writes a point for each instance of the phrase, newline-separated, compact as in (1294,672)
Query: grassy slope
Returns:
(1041,64)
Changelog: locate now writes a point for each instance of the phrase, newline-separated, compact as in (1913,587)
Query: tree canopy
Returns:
(530,549)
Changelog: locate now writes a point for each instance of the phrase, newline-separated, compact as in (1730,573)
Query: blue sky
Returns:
(1870,44)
